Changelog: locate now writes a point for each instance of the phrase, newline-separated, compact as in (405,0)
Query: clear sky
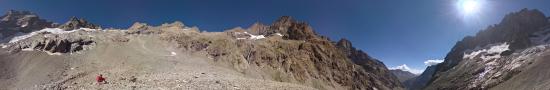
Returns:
(394,31)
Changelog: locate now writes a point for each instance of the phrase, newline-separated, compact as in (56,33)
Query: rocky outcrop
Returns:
(14,22)
(76,23)
(492,55)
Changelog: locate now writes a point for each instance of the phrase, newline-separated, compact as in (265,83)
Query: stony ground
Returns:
(144,62)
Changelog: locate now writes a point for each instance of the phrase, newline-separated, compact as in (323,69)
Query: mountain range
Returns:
(288,54)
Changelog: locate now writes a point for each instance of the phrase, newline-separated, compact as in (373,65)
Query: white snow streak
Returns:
(492,53)
(256,37)
(27,49)
(25,25)
(50,30)
(278,34)
(252,37)
(173,53)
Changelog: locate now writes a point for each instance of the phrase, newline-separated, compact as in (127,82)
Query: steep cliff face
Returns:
(374,66)
(495,55)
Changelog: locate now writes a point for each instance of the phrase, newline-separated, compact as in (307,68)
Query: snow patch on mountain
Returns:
(27,49)
(250,36)
(173,53)
(492,52)
(278,34)
(48,30)
(4,46)
(496,66)
(404,67)
(25,25)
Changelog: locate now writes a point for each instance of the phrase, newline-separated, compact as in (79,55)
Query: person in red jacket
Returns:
(100,79)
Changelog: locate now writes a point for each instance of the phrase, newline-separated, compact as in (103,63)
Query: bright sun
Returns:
(469,7)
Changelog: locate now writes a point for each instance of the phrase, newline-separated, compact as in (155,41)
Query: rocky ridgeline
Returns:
(290,51)
(493,55)
(175,27)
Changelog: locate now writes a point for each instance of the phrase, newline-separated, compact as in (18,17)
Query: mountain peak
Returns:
(284,21)
(76,23)
(16,12)
(345,44)
(12,15)
(22,21)
(532,17)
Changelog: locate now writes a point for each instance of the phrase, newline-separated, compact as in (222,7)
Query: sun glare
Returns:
(469,7)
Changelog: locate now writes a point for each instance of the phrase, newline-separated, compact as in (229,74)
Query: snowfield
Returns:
(492,52)
(495,66)
(49,30)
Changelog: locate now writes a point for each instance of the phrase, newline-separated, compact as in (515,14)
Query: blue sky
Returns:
(395,31)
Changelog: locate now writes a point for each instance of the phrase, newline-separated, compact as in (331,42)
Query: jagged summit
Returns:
(23,21)
(138,26)
(345,44)
(286,26)
(13,15)
(284,21)
(76,23)
(532,17)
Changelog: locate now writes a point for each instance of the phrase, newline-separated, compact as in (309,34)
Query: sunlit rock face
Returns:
(495,55)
